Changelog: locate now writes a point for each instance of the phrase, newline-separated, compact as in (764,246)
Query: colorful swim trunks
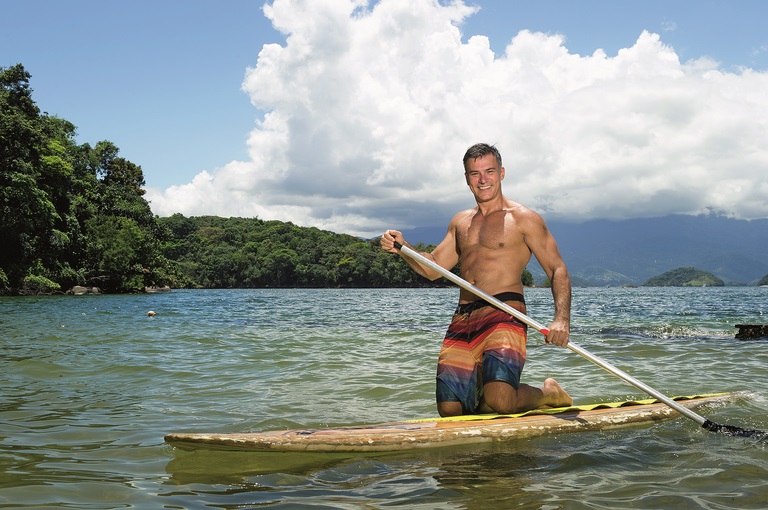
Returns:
(482,344)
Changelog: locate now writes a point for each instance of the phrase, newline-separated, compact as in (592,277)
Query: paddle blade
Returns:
(732,430)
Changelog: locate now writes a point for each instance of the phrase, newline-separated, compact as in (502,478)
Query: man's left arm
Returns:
(544,247)
(560,329)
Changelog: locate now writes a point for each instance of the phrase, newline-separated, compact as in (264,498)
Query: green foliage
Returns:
(4,283)
(37,280)
(69,214)
(763,280)
(527,278)
(215,252)
(39,284)
(685,277)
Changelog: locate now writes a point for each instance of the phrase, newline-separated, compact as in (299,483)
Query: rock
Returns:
(752,331)
(79,290)
(154,290)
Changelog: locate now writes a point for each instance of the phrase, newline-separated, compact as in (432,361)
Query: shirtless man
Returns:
(484,349)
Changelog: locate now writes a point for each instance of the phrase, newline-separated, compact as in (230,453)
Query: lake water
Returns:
(89,386)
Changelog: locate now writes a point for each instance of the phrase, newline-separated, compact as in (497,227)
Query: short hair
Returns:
(479,150)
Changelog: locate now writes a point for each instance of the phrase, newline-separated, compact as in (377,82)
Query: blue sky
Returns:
(358,121)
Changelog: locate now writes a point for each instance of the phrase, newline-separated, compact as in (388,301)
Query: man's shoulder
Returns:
(522,213)
(463,216)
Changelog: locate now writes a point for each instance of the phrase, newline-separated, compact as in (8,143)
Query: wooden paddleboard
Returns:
(438,432)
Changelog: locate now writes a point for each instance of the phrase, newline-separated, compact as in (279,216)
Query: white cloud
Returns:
(370,109)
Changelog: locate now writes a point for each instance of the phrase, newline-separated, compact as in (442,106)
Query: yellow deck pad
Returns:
(559,410)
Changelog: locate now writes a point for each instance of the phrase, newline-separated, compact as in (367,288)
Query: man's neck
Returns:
(492,206)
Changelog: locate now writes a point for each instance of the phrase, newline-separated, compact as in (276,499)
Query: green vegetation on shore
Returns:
(685,277)
(214,252)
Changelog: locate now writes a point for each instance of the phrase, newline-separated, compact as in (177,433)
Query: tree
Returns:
(115,253)
(127,174)
(68,212)
(527,278)
(27,215)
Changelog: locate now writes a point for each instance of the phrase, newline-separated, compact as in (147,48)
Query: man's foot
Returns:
(555,395)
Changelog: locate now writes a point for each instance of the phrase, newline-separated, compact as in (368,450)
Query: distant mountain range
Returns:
(629,252)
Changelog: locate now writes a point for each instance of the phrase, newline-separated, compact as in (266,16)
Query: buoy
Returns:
(151,313)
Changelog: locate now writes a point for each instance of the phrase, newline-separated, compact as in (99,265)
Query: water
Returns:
(89,385)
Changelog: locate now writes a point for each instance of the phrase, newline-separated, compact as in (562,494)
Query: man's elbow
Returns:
(560,275)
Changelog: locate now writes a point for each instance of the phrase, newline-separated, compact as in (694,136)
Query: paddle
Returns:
(703,422)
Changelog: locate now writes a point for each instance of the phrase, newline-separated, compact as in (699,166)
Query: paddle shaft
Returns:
(543,330)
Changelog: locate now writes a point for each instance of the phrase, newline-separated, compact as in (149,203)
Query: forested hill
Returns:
(215,252)
(75,215)
(685,277)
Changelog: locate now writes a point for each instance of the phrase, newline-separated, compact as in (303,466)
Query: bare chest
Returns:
(496,231)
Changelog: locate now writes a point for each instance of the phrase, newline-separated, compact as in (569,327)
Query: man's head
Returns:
(483,172)
(479,150)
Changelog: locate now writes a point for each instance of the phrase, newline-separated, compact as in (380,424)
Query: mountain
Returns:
(685,277)
(629,252)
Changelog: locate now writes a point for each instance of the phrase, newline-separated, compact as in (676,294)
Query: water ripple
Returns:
(89,386)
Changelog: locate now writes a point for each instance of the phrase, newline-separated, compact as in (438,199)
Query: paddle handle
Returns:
(421,259)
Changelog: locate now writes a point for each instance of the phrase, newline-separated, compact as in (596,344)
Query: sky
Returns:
(353,116)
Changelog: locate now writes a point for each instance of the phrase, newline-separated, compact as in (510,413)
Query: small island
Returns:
(685,277)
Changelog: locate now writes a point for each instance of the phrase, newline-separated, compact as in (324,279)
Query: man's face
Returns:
(484,177)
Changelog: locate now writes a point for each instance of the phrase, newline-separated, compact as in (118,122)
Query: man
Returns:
(484,349)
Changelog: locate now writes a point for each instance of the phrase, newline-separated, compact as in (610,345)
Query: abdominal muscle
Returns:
(492,251)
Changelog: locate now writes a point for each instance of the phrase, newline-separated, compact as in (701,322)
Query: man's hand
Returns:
(388,239)
(559,332)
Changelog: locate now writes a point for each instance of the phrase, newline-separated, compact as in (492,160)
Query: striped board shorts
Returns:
(482,344)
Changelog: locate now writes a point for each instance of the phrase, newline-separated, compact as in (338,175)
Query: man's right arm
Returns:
(445,255)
